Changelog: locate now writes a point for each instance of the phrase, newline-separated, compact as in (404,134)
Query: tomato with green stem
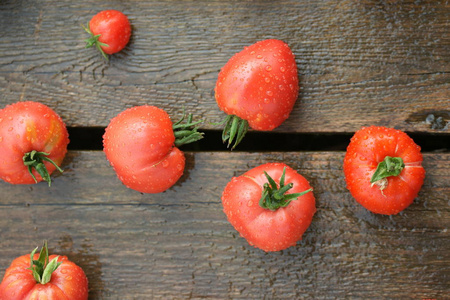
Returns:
(257,88)
(271,206)
(141,144)
(383,169)
(109,32)
(40,276)
(33,142)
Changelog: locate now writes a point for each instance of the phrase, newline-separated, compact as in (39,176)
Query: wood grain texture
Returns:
(367,62)
(179,245)
(360,62)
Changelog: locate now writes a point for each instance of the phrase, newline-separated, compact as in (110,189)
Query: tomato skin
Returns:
(259,84)
(27,126)
(139,144)
(114,30)
(68,281)
(368,147)
(263,228)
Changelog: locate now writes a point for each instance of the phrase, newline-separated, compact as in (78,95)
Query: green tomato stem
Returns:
(186,133)
(274,196)
(35,159)
(234,130)
(41,268)
(390,166)
(93,41)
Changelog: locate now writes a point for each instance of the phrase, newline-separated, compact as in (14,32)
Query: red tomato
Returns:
(383,169)
(59,279)
(257,87)
(33,142)
(110,31)
(140,144)
(260,209)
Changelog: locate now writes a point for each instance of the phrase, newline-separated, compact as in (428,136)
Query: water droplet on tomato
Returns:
(269,93)
(268,68)
(69,277)
(250,203)
(282,69)
(10,129)
(267,79)
(165,163)
(259,56)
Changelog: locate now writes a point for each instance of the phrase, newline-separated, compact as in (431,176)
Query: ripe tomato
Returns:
(110,32)
(383,169)
(257,87)
(50,277)
(141,145)
(261,209)
(33,142)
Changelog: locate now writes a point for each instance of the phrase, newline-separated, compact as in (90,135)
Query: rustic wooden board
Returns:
(360,62)
(179,245)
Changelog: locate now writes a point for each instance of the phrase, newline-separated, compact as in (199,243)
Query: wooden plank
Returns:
(179,245)
(360,62)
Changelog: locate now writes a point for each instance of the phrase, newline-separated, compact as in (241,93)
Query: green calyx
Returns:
(35,159)
(93,41)
(41,268)
(390,166)
(274,196)
(187,132)
(234,130)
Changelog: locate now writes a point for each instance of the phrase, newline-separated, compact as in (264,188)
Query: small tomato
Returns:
(110,32)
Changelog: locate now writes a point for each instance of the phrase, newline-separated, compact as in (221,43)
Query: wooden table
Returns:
(360,63)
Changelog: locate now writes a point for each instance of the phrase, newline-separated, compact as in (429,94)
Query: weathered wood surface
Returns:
(179,245)
(360,62)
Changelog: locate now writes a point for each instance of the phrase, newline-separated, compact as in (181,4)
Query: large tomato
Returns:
(40,276)
(257,87)
(383,169)
(33,142)
(271,206)
(141,145)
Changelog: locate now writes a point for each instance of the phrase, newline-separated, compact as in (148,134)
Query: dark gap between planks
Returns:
(90,138)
